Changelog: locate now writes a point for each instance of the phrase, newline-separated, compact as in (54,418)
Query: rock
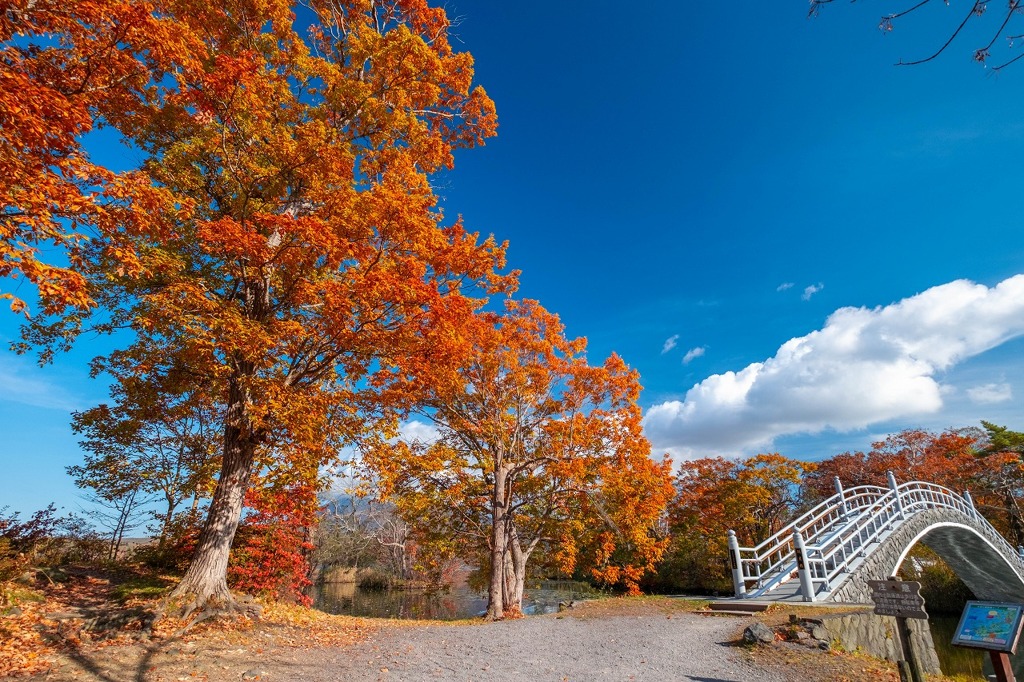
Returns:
(820,632)
(803,634)
(13,611)
(66,615)
(254,674)
(758,632)
(825,645)
(113,619)
(54,575)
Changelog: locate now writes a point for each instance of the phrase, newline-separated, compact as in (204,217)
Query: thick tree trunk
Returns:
(495,593)
(515,573)
(204,584)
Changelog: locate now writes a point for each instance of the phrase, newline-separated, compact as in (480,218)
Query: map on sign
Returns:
(989,625)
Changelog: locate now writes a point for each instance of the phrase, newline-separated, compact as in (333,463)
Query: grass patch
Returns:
(140,587)
(11,595)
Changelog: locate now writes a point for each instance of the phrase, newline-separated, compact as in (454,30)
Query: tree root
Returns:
(203,607)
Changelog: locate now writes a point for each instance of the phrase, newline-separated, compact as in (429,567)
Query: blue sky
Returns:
(726,177)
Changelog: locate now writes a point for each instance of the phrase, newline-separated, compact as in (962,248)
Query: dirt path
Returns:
(650,640)
(651,647)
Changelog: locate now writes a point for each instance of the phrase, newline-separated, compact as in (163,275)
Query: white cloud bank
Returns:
(865,366)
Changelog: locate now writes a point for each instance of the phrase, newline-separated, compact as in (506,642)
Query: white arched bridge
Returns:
(864,533)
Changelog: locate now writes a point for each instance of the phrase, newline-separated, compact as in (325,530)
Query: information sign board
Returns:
(990,625)
(898,598)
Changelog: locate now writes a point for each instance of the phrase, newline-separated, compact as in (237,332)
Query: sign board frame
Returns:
(1007,645)
(898,598)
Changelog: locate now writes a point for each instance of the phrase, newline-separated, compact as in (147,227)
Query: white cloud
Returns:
(865,366)
(811,290)
(27,384)
(414,431)
(693,353)
(784,286)
(669,344)
(989,394)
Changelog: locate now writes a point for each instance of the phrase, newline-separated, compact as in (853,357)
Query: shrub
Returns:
(270,555)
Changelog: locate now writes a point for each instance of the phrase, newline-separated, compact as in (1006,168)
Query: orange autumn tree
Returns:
(67,68)
(755,497)
(539,454)
(998,485)
(303,265)
(947,458)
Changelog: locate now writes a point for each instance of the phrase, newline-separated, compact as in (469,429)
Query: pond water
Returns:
(457,602)
(971,664)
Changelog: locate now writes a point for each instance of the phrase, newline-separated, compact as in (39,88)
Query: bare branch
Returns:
(974,10)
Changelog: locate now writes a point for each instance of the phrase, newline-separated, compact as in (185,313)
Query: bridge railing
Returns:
(822,544)
(828,559)
(772,562)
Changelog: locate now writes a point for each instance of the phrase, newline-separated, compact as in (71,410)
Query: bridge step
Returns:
(740,607)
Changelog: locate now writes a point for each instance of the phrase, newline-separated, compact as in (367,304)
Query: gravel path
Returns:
(647,648)
(654,640)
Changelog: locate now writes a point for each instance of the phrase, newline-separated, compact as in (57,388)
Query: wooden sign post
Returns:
(902,600)
(994,626)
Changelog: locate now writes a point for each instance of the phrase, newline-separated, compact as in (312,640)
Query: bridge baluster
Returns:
(842,498)
(803,568)
(970,503)
(896,491)
(738,584)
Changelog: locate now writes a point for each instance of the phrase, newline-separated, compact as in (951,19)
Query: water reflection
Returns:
(457,602)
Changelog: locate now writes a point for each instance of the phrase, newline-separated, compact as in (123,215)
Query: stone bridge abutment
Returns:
(986,564)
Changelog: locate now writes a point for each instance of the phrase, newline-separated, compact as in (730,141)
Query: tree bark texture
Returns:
(515,572)
(205,581)
(495,592)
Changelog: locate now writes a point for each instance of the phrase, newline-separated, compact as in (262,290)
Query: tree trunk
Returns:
(495,593)
(124,509)
(165,525)
(515,573)
(1016,527)
(205,582)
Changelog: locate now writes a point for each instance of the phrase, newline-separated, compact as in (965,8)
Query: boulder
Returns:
(758,632)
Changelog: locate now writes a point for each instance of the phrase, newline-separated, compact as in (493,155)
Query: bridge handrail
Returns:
(886,506)
(778,552)
(904,499)
(802,522)
(845,523)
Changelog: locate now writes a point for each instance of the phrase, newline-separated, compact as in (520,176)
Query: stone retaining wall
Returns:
(876,635)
